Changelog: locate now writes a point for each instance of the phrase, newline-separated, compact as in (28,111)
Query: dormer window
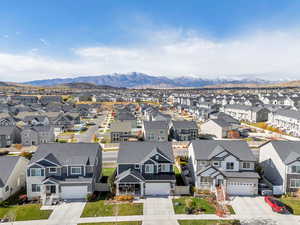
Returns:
(137,166)
(230,166)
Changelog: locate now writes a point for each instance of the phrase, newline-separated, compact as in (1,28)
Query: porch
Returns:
(135,189)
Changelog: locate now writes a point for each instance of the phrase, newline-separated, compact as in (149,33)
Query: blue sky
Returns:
(63,38)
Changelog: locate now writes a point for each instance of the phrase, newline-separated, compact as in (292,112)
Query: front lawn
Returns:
(103,208)
(25,212)
(115,223)
(293,203)
(209,222)
(179,205)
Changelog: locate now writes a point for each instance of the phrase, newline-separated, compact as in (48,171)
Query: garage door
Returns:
(237,188)
(157,189)
(74,192)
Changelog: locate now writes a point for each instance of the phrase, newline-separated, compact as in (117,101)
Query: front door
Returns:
(219,182)
(53,189)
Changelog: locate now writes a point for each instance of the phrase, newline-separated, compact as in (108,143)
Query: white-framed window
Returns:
(149,168)
(36,172)
(76,170)
(35,188)
(165,168)
(295,183)
(216,163)
(137,166)
(246,165)
(229,165)
(156,157)
(52,170)
(295,169)
(7,188)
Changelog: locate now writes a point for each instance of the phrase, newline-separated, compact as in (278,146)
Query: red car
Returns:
(276,205)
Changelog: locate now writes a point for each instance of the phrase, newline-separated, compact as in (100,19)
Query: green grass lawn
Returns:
(231,210)
(25,212)
(100,208)
(293,203)
(115,223)
(200,203)
(209,222)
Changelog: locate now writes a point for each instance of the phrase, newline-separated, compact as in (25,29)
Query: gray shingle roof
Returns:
(68,153)
(184,124)
(135,152)
(152,125)
(288,151)
(242,174)
(205,149)
(7,164)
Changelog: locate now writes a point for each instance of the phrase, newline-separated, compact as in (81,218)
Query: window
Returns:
(76,170)
(216,164)
(295,183)
(230,166)
(36,172)
(156,157)
(295,169)
(137,166)
(149,168)
(52,170)
(7,188)
(35,188)
(165,168)
(246,165)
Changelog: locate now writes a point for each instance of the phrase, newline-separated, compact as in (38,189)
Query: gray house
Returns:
(35,135)
(280,161)
(120,131)
(155,130)
(145,168)
(184,130)
(64,171)
(12,175)
(225,164)
(9,136)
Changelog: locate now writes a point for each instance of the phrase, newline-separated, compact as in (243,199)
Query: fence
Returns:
(102,187)
(182,190)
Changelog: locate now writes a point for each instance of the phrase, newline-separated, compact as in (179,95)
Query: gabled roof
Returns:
(130,172)
(205,149)
(288,151)
(184,124)
(7,165)
(136,152)
(67,153)
(153,125)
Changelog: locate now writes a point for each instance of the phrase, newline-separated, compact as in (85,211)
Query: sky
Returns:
(200,38)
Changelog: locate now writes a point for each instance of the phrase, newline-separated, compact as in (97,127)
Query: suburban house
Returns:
(227,164)
(286,120)
(9,136)
(35,135)
(120,131)
(12,175)
(252,114)
(217,127)
(145,168)
(280,161)
(64,171)
(184,130)
(155,130)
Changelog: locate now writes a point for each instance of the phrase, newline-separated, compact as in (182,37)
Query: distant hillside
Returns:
(140,80)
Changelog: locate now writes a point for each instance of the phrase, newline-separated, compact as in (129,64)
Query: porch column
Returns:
(117,188)
(57,191)
(142,189)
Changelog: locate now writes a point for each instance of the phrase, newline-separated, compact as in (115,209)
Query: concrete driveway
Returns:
(254,211)
(158,210)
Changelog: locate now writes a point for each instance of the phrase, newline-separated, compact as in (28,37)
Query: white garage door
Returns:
(74,192)
(237,188)
(157,189)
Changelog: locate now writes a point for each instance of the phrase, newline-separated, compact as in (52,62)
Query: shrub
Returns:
(91,197)
(124,198)
(27,155)
(18,146)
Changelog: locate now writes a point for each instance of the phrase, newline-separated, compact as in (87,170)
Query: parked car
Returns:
(264,189)
(276,205)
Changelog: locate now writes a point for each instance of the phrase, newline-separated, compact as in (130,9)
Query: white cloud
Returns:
(275,53)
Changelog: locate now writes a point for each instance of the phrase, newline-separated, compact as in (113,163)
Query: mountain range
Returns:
(140,80)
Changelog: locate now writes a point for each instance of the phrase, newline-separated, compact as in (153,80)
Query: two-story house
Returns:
(280,161)
(9,136)
(229,164)
(184,130)
(145,168)
(35,135)
(64,171)
(155,130)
